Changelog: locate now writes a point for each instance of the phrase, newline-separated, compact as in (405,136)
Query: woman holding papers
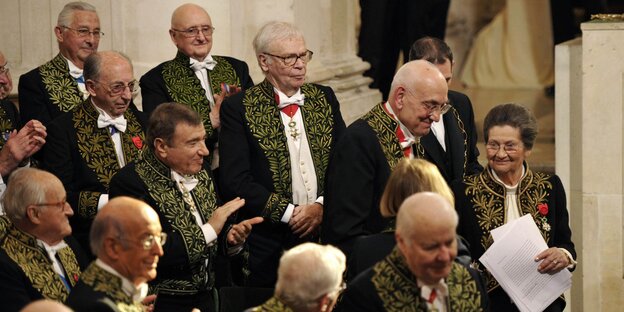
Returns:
(506,190)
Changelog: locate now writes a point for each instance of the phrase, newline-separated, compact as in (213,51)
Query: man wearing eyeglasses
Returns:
(38,257)
(195,77)
(58,85)
(371,148)
(127,240)
(16,147)
(276,140)
(452,142)
(90,143)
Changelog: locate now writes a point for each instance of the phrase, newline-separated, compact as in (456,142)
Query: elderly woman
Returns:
(506,190)
(410,176)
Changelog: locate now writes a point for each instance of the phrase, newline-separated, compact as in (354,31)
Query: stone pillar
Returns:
(590,144)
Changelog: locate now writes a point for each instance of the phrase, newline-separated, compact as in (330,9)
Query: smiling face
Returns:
(187,17)
(71,45)
(187,149)
(287,79)
(412,105)
(506,153)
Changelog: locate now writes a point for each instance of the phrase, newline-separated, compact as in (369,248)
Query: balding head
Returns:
(417,92)
(119,234)
(186,18)
(45,305)
(425,235)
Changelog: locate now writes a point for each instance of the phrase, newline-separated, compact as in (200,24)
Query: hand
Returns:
(21,145)
(215,120)
(306,219)
(148,302)
(239,232)
(220,215)
(553,260)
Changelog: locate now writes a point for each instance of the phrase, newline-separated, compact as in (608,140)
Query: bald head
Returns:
(418,74)
(45,305)
(424,210)
(185,11)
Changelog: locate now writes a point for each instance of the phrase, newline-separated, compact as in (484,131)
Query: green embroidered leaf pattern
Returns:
(96,149)
(62,88)
(6,126)
(157,177)
(22,248)
(272,305)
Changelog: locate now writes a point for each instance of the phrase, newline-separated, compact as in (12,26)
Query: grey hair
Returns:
(21,192)
(103,226)
(301,289)
(93,64)
(272,32)
(515,116)
(66,16)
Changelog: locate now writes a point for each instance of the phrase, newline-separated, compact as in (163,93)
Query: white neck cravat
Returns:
(201,69)
(76,73)
(284,100)
(52,250)
(116,124)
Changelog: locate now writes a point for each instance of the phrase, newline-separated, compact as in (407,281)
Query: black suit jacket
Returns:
(460,158)
(83,157)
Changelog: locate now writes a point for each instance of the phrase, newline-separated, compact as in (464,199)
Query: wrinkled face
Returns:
(55,213)
(430,251)
(6,83)
(414,105)
(198,46)
(505,150)
(137,263)
(74,47)
(287,79)
(186,153)
(115,72)
(447,71)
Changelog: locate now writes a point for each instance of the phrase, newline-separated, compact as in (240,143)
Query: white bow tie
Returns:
(52,250)
(407,143)
(295,99)
(76,73)
(119,123)
(208,64)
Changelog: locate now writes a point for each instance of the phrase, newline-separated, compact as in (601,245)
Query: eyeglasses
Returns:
(4,69)
(119,87)
(62,204)
(85,32)
(194,31)
(290,60)
(509,148)
(432,108)
(148,242)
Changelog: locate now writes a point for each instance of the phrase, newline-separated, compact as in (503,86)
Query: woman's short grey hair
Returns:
(66,17)
(272,32)
(307,272)
(515,116)
(22,192)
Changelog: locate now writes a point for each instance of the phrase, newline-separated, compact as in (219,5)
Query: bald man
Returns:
(195,76)
(45,305)
(38,257)
(127,239)
(371,148)
(90,143)
(420,274)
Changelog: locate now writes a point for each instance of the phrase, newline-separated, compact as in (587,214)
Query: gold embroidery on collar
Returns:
(61,86)
(272,305)
(385,127)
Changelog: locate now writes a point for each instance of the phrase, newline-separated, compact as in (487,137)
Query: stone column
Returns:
(591,138)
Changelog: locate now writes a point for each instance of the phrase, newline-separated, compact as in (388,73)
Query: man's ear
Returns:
(33,214)
(58,32)
(90,86)
(160,147)
(111,248)
(263,60)
(399,94)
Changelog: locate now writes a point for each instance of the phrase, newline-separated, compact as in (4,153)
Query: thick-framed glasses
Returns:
(148,242)
(194,31)
(509,148)
(118,88)
(290,60)
(85,32)
(4,69)
(61,204)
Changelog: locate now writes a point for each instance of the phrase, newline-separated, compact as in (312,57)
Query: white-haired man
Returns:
(276,140)
(313,289)
(420,274)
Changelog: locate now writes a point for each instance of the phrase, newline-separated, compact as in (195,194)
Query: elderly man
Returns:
(452,142)
(22,144)
(314,289)
(170,176)
(38,258)
(127,239)
(372,147)
(195,77)
(58,85)
(276,140)
(420,274)
(89,144)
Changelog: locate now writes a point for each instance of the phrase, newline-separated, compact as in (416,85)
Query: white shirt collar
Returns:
(406,132)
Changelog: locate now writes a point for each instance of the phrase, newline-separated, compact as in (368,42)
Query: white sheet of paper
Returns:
(511,260)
